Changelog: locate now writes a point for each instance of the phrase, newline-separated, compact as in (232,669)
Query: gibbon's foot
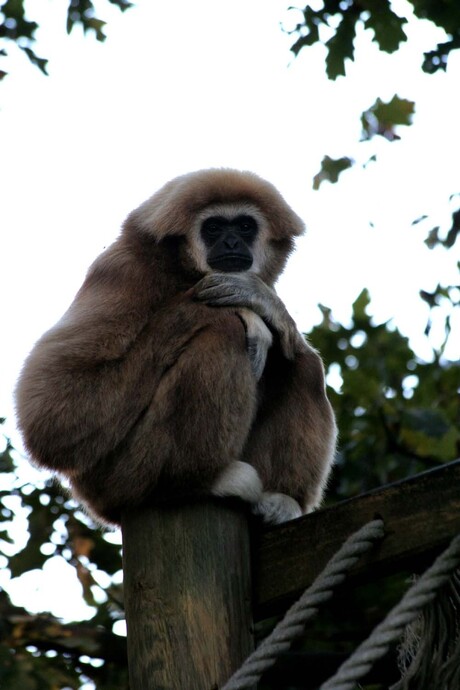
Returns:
(276,508)
(239,479)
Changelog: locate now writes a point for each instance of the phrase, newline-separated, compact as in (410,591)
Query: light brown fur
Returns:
(142,394)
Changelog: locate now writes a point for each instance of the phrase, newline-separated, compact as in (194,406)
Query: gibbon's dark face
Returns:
(229,242)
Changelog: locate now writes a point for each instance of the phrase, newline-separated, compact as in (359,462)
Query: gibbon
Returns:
(177,372)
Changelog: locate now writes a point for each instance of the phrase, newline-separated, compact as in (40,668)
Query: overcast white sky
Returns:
(185,85)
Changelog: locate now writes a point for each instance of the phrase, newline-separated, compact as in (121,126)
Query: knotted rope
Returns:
(293,623)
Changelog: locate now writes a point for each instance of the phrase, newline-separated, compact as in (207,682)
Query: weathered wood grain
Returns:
(187,596)
(421,516)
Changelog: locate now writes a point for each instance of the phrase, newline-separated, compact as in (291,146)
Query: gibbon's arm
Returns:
(89,379)
(248,290)
(258,340)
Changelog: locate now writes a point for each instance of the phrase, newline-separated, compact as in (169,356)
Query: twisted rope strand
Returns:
(293,623)
(415,599)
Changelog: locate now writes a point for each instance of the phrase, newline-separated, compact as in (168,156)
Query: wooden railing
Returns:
(188,571)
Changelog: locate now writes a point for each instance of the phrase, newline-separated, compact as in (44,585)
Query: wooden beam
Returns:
(187,595)
(421,515)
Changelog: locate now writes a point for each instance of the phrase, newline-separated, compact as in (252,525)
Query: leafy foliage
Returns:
(40,652)
(447,16)
(377,16)
(334,24)
(397,415)
(440,237)
(331,169)
(17,29)
(382,118)
(435,237)
(341,18)
(340,46)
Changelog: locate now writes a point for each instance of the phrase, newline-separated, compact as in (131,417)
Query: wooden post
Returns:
(187,595)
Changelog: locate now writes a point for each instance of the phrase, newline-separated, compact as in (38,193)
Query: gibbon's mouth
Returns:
(231,263)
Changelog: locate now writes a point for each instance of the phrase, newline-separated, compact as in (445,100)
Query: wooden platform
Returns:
(421,515)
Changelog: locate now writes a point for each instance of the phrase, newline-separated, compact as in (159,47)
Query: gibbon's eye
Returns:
(212,227)
(247,225)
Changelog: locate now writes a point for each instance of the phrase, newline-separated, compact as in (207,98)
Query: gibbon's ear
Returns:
(172,210)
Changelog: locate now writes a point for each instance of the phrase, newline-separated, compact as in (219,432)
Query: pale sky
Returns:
(181,86)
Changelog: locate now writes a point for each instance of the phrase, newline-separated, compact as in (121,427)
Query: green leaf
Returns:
(360,305)
(39,62)
(311,24)
(6,461)
(340,46)
(331,169)
(447,16)
(382,118)
(434,238)
(17,25)
(122,4)
(96,25)
(386,25)
(17,29)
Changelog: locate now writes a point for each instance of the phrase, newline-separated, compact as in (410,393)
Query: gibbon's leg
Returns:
(273,508)
(213,400)
(190,439)
(292,441)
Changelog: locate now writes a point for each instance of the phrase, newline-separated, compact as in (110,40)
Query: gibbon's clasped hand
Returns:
(177,372)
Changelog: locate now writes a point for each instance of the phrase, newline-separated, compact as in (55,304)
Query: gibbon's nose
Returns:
(231,240)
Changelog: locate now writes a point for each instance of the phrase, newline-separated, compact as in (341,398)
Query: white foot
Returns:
(239,479)
(276,508)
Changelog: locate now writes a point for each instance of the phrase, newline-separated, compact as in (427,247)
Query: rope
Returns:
(429,653)
(415,599)
(293,623)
